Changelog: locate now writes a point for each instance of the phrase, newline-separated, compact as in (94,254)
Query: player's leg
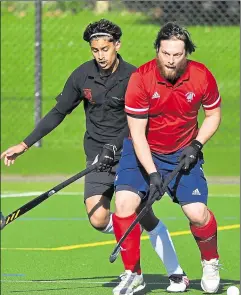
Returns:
(162,243)
(129,178)
(192,193)
(126,204)
(98,210)
(203,226)
(160,239)
(98,193)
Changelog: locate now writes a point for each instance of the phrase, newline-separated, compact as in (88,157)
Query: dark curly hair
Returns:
(103,26)
(173,30)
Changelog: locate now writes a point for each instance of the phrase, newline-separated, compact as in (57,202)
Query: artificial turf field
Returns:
(53,249)
(58,251)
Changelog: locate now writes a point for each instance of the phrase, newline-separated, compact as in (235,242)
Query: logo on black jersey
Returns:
(88,95)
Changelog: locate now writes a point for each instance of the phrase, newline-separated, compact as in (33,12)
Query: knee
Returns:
(200,218)
(121,205)
(126,203)
(99,221)
(98,210)
(198,214)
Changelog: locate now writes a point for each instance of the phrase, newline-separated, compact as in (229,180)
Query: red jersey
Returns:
(172,110)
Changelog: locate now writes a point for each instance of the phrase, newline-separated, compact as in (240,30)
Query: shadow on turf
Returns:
(151,280)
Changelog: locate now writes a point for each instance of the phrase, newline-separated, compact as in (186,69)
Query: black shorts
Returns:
(99,183)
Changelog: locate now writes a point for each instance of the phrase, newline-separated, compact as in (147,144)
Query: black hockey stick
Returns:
(143,212)
(36,201)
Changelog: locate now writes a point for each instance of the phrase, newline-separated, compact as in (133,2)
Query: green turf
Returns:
(33,186)
(61,221)
(64,50)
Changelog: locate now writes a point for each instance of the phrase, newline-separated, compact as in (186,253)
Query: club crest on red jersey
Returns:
(88,95)
(190,96)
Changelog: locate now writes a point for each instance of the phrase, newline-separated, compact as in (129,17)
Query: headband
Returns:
(100,34)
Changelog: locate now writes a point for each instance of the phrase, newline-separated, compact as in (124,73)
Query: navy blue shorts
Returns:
(185,188)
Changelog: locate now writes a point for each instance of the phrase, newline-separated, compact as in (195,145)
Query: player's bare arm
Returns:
(138,133)
(210,125)
(13,152)
(48,123)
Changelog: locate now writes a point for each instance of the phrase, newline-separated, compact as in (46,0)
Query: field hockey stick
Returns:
(36,201)
(143,212)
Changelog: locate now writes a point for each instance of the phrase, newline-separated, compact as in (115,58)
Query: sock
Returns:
(162,243)
(130,248)
(109,228)
(206,238)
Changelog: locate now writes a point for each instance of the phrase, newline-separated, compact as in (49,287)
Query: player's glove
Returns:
(190,154)
(106,158)
(156,186)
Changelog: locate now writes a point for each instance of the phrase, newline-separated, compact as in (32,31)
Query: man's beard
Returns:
(173,75)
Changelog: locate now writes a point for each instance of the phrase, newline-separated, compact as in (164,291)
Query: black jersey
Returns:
(103,100)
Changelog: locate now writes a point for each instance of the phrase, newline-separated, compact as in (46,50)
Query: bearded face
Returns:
(171,59)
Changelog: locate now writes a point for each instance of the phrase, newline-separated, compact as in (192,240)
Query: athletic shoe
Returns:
(122,275)
(130,283)
(210,280)
(178,283)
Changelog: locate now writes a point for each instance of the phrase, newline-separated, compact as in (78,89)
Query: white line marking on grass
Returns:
(33,194)
(224,196)
(87,283)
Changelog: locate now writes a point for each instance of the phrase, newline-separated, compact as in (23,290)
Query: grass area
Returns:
(64,49)
(82,267)
(219,162)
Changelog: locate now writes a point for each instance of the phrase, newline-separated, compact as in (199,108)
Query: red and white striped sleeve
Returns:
(136,99)
(211,98)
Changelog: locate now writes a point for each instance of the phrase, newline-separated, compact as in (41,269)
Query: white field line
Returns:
(86,283)
(33,194)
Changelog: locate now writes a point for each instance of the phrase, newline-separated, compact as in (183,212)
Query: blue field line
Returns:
(13,275)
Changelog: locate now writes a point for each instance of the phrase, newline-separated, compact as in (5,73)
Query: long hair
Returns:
(172,30)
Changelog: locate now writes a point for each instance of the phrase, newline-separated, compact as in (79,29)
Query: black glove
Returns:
(107,157)
(190,154)
(156,189)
